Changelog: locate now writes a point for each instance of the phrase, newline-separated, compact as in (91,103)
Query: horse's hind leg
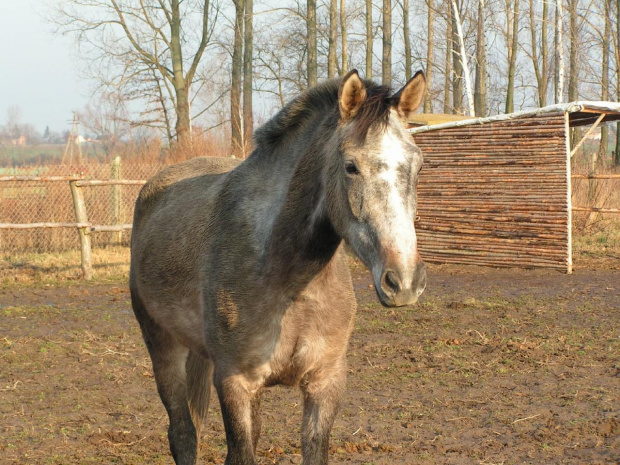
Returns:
(169,357)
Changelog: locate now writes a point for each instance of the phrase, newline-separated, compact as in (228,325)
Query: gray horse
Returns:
(240,277)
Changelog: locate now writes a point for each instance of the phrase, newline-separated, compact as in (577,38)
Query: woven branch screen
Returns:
(496,193)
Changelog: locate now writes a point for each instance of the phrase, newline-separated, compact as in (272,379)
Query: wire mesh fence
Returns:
(50,202)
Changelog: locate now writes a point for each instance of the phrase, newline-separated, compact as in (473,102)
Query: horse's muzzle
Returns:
(395,291)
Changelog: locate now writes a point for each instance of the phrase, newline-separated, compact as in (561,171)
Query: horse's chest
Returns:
(312,336)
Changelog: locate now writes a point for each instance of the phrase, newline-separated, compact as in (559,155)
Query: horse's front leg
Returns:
(322,391)
(238,401)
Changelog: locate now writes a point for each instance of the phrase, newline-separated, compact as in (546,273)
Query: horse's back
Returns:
(192,168)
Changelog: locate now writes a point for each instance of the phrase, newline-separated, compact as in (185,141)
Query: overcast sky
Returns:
(38,72)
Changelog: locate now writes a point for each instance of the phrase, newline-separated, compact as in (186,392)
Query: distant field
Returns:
(11,156)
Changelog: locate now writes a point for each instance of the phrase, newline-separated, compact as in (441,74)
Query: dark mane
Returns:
(323,99)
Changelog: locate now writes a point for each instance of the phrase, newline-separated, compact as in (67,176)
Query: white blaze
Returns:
(397,228)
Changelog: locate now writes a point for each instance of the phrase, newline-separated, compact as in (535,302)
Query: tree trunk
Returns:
(248,51)
(386,61)
(573,77)
(407,39)
(559,52)
(183,123)
(430,50)
(606,44)
(369,39)
(311,29)
(457,64)
(512,23)
(544,56)
(617,155)
(236,130)
(541,70)
(480,87)
(343,37)
(448,63)
(333,30)
(463,60)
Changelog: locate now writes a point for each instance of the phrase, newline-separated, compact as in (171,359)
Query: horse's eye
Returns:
(350,168)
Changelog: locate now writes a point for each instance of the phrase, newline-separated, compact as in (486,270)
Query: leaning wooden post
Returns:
(82,219)
(115,173)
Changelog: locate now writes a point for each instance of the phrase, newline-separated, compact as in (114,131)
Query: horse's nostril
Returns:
(392,282)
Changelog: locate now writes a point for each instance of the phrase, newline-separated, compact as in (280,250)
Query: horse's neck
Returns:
(302,240)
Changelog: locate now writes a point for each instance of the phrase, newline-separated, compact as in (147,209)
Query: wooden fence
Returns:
(496,194)
(84,227)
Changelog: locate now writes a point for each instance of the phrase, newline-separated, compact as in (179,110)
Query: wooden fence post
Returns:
(117,199)
(81,216)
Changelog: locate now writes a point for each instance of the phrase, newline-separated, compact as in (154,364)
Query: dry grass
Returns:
(110,264)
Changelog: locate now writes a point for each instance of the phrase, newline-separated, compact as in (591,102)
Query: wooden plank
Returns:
(596,209)
(42,225)
(111,182)
(110,228)
(595,176)
(39,178)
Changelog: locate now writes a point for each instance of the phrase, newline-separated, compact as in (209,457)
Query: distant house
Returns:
(19,142)
(77,140)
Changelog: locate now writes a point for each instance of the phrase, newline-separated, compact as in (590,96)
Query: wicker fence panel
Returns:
(496,194)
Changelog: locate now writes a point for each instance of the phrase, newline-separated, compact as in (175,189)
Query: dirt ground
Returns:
(493,366)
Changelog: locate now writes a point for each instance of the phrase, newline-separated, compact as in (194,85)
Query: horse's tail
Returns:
(199,375)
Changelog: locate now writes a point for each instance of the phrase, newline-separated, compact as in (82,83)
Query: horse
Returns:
(239,275)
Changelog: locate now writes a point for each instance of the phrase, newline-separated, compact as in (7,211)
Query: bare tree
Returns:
(457,62)
(312,43)
(343,37)
(430,51)
(540,62)
(512,39)
(448,60)
(617,152)
(407,40)
(480,87)
(369,38)
(573,58)
(107,118)
(606,45)
(333,32)
(132,39)
(13,121)
(236,128)
(248,71)
(559,52)
(386,61)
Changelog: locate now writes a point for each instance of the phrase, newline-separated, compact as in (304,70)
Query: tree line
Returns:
(196,65)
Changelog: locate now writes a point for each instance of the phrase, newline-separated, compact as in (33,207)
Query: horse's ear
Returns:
(408,99)
(351,95)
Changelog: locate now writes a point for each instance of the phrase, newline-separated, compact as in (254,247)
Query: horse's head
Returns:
(372,199)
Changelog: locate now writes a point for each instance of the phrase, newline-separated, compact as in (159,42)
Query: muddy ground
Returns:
(491,367)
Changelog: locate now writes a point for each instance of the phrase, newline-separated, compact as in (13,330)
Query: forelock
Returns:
(374,111)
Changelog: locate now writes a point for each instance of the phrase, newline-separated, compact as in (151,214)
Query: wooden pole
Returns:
(569,190)
(115,173)
(81,216)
